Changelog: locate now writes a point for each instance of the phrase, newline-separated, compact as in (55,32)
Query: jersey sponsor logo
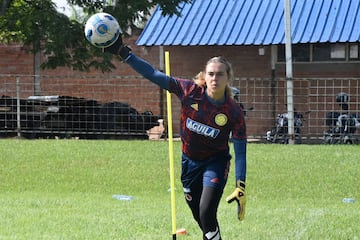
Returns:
(221,119)
(201,129)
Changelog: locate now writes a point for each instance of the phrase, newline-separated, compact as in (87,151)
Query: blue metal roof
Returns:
(254,22)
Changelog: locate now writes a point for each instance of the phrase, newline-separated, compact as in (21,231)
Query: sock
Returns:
(213,235)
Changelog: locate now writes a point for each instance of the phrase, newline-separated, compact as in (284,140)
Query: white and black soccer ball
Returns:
(102,30)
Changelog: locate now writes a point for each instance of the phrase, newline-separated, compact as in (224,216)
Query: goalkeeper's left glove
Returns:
(239,196)
(118,48)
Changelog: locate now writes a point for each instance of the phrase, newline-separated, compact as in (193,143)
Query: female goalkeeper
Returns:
(208,116)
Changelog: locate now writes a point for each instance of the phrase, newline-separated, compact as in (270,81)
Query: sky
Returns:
(63,7)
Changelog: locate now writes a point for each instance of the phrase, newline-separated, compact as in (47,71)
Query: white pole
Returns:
(289,72)
(18,116)
(161,58)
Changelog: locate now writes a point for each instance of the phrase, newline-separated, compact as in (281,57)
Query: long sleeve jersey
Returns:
(205,125)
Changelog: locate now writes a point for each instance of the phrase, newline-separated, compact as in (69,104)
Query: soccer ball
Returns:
(102,30)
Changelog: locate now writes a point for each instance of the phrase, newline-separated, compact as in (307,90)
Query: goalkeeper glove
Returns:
(118,48)
(239,196)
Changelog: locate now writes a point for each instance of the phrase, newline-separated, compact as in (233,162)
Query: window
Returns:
(354,51)
(321,52)
(299,52)
(337,51)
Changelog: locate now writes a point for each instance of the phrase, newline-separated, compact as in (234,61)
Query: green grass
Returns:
(62,189)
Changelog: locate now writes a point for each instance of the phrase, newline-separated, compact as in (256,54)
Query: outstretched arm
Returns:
(138,64)
(148,71)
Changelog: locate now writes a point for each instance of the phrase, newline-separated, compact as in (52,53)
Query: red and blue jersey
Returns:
(205,125)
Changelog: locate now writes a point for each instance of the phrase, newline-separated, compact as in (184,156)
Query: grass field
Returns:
(63,189)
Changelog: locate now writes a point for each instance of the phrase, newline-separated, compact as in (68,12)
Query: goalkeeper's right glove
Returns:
(118,48)
(239,196)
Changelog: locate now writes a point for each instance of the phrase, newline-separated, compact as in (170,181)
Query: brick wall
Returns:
(315,85)
(14,60)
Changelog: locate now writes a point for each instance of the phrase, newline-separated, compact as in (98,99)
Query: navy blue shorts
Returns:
(212,172)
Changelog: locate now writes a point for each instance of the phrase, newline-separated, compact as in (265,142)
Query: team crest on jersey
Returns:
(195,106)
(201,129)
(221,119)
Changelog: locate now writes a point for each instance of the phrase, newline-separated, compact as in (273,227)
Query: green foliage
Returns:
(62,189)
(38,25)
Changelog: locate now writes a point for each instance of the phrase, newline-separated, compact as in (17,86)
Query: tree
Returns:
(40,28)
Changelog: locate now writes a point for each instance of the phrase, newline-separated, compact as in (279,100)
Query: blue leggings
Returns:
(203,183)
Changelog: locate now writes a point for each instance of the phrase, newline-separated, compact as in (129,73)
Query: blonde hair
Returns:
(199,79)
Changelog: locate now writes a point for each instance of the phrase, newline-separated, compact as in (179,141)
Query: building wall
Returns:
(261,87)
(122,84)
(15,60)
(187,61)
